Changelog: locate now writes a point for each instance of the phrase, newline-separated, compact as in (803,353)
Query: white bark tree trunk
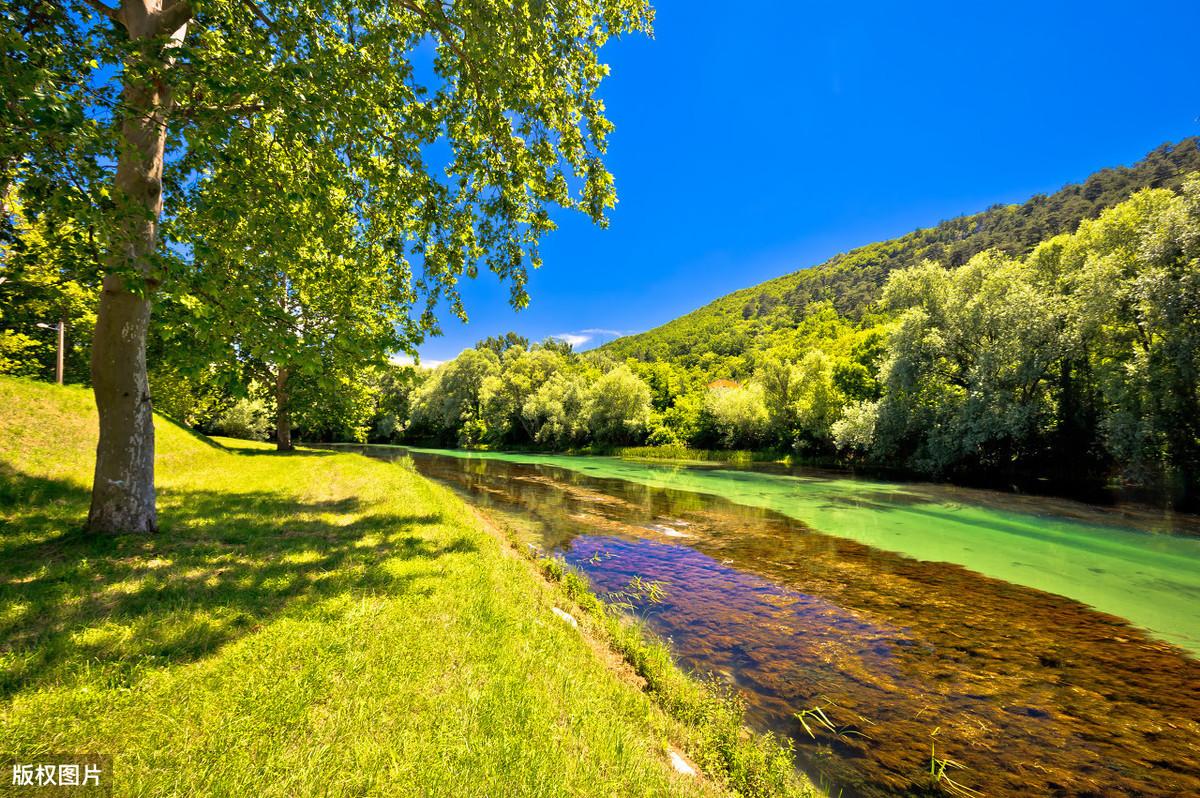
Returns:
(123,498)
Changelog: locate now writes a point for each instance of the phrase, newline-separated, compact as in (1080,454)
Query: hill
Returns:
(851,281)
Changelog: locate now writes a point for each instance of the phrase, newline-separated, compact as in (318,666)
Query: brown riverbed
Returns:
(1027,693)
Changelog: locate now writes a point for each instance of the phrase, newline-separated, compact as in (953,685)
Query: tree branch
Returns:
(175,16)
(100,8)
(258,12)
(444,27)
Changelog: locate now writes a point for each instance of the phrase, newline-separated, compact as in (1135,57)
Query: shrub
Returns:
(246,418)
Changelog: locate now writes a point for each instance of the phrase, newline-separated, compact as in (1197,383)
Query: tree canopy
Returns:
(304,180)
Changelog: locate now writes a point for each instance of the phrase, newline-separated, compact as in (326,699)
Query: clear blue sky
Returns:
(756,139)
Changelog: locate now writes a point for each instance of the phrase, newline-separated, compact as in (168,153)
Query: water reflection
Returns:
(1032,692)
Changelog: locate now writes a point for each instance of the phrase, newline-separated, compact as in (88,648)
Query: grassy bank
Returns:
(305,624)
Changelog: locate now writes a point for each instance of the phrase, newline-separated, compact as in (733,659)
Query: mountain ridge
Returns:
(851,280)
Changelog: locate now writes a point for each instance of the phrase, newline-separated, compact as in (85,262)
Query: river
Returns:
(1043,647)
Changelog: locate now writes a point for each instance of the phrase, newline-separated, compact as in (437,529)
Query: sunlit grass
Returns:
(710,714)
(305,624)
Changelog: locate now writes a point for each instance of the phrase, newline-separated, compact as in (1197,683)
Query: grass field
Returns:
(303,624)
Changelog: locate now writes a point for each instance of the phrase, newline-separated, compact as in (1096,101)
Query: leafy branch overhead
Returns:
(328,170)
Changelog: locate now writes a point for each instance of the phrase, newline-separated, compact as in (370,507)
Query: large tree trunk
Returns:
(283,418)
(123,486)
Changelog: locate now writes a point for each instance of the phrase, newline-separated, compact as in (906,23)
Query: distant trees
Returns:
(542,396)
(1078,362)
(618,408)
(738,415)
(556,413)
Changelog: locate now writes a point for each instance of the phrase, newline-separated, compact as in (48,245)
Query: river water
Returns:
(1043,647)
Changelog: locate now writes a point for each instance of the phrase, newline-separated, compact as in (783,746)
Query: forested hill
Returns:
(852,281)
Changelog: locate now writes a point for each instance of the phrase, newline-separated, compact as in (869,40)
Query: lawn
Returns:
(303,624)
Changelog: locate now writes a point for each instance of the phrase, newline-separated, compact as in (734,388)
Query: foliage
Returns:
(503,395)
(854,432)
(393,396)
(1080,357)
(46,275)
(448,403)
(618,409)
(556,411)
(737,415)
(191,399)
(247,419)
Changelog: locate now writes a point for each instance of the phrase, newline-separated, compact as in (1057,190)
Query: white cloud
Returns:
(593,335)
(401,359)
(574,339)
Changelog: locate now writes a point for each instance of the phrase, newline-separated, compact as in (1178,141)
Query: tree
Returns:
(618,409)
(394,394)
(557,412)
(311,309)
(1131,286)
(738,415)
(817,402)
(779,380)
(503,395)
(502,343)
(450,403)
(207,85)
(967,385)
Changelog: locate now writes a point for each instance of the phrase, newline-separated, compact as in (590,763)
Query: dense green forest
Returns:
(1056,343)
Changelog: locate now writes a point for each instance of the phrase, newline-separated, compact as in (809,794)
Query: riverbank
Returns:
(312,623)
(1042,652)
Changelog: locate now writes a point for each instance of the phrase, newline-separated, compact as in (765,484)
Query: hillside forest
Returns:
(1054,344)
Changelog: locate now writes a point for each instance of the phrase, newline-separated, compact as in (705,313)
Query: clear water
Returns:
(1151,580)
(1042,645)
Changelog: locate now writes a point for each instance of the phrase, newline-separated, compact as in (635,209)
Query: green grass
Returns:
(304,624)
(687,454)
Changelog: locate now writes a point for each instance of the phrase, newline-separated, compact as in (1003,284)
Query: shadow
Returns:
(196,434)
(299,451)
(223,564)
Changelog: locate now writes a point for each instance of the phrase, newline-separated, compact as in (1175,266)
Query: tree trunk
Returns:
(283,419)
(123,486)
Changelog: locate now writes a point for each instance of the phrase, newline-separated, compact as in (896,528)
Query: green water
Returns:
(1151,580)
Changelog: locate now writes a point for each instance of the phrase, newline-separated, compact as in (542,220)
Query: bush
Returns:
(854,432)
(247,419)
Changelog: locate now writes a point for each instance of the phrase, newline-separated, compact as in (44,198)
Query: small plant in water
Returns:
(939,780)
(599,556)
(819,718)
(638,594)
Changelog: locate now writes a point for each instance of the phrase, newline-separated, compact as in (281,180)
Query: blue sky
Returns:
(756,139)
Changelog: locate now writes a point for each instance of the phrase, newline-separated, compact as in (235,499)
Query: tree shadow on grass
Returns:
(224,565)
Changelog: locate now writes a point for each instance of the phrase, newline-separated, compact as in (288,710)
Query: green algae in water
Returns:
(1151,580)
(1033,692)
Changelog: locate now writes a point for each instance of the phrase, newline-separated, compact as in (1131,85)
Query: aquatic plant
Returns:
(938,778)
(819,717)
